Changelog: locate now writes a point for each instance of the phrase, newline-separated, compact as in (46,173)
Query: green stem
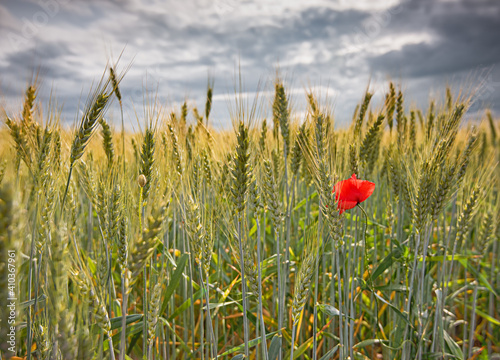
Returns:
(111,349)
(123,139)
(244,292)
(144,295)
(316,281)
(123,341)
(280,300)
(32,250)
(67,188)
(213,344)
(259,274)
(294,329)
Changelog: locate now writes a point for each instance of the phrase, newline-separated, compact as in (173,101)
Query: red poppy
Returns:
(351,192)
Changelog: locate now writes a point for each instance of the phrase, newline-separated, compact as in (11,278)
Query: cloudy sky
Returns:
(337,47)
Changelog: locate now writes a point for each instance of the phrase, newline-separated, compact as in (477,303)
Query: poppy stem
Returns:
(364,232)
(366,220)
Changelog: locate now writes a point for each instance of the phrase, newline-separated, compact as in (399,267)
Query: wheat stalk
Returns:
(241,178)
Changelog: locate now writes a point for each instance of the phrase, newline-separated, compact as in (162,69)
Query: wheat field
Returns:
(181,241)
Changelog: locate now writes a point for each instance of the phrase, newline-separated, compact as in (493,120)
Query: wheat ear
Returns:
(96,107)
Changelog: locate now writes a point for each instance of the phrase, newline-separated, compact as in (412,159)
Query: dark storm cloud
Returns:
(440,58)
(320,27)
(43,51)
(252,41)
(465,36)
(43,59)
(259,47)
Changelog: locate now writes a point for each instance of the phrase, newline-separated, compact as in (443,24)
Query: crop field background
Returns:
(179,241)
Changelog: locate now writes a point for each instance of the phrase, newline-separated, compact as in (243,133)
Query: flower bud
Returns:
(142,180)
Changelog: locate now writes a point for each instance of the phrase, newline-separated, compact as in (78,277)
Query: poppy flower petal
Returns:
(352,191)
(346,190)
(346,205)
(365,189)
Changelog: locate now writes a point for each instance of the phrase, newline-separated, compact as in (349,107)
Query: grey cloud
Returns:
(177,49)
(43,56)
